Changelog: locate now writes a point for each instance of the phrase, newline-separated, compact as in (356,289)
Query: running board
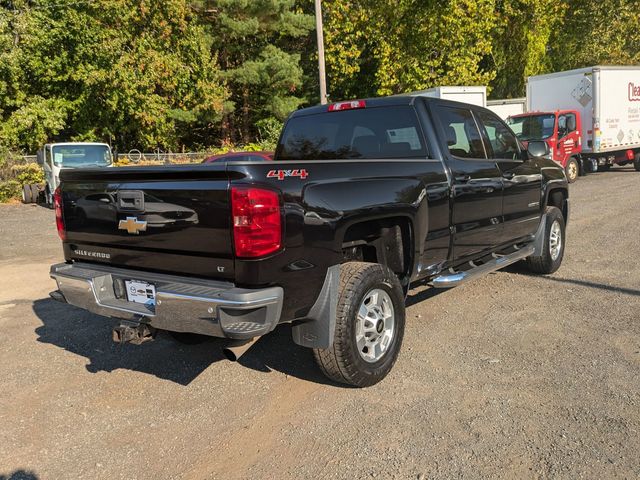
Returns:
(454,279)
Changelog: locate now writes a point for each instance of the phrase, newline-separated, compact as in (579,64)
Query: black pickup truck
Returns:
(363,199)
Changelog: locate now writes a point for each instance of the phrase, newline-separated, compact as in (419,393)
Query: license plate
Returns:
(140,292)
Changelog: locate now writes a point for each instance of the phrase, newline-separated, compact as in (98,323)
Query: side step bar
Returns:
(454,279)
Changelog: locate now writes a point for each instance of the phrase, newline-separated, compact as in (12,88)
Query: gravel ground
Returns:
(513,376)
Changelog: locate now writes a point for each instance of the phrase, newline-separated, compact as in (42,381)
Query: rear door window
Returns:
(461,132)
(383,132)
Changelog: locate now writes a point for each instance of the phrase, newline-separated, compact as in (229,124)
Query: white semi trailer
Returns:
(475,95)
(507,107)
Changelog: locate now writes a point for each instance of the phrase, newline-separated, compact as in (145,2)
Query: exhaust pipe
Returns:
(236,348)
(58,296)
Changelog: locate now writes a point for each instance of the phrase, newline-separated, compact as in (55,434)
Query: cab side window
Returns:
(461,132)
(566,124)
(502,141)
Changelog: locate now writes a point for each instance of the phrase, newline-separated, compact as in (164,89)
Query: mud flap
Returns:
(538,241)
(318,329)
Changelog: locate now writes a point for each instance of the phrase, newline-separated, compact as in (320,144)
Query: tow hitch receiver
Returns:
(135,333)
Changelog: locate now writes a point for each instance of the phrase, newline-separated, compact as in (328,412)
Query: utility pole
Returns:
(320,37)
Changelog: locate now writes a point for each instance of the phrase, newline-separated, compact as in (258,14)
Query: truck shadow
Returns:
(88,335)
(421,293)
(521,269)
(19,475)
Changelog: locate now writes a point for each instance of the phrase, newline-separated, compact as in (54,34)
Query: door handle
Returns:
(508,175)
(462,178)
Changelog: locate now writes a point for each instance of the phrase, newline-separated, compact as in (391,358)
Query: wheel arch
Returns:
(388,240)
(558,197)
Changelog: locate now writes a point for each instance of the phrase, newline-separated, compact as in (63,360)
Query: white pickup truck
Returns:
(53,157)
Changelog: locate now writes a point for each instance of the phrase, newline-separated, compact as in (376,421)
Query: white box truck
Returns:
(507,107)
(475,95)
(590,117)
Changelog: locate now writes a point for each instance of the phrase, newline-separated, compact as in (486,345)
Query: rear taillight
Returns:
(630,155)
(257,225)
(57,206)
(349,105)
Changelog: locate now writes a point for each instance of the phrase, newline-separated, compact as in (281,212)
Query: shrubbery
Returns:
(9,190)
(14,176)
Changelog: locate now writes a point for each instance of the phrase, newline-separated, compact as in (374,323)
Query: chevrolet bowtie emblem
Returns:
(132,225)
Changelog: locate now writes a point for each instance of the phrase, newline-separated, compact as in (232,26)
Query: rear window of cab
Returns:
(370,133)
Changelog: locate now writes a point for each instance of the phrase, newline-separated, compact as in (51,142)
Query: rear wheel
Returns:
(550,259)
(27,194)
(572,170)
(369,326)
(636,162)
(35,193)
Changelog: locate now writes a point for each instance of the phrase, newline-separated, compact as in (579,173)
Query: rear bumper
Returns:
(183,304)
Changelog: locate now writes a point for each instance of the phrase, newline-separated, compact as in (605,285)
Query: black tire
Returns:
(35,193)
(636,162)
(572,170)
(546,263)
(27,194)
(343,362)
(188,338)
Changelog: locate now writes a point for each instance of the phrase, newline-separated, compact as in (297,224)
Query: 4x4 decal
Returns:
(282,174)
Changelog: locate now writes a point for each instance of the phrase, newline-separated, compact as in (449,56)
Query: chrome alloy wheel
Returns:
(573,170)
(375,325)
(555,240)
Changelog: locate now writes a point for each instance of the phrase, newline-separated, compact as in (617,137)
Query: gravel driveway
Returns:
(513,376)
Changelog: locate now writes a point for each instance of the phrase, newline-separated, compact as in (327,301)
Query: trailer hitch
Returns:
(135,333)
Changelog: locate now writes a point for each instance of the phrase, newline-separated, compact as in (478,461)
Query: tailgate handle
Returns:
(131,200)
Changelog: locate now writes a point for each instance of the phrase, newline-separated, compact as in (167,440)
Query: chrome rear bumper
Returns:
(182,304)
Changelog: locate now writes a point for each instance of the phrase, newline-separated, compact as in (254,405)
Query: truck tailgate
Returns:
(168,218)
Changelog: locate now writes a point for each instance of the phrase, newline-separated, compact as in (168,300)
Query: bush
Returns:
(269,129)
(9,190)
(13,176)
(28,173)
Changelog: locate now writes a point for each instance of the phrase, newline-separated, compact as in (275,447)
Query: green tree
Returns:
(258,44)
(138,72)
(522,41)
(595,32)
(381,47)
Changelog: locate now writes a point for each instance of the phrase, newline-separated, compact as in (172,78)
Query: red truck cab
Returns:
(560,129)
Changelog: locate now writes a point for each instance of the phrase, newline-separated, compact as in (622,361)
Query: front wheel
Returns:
(369,327)
(550,259)
(572,170)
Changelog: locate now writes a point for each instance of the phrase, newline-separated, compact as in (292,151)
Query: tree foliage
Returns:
(382,47)
(137,72)
(256,41)
(182,74)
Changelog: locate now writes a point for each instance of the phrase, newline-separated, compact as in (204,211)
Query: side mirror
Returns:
(40,157)
(537,149)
